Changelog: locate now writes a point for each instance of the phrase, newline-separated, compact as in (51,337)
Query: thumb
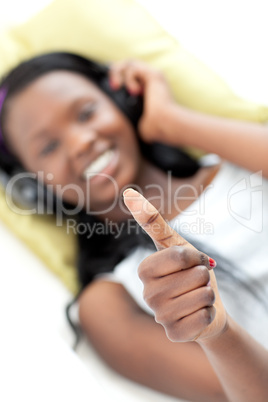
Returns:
(156,227)
(151,221)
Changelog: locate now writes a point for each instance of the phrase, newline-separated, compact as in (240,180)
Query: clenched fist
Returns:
(179,282)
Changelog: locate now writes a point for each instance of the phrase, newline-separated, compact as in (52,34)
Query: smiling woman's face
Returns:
(65,127)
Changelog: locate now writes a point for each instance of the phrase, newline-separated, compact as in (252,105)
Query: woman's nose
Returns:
(78,142)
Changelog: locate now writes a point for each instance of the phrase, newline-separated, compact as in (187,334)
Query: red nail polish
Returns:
(131,92)
(212,262)
(113,85)
(134,92)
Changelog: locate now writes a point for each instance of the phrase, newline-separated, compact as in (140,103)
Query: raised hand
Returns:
(140,79)
(179,283)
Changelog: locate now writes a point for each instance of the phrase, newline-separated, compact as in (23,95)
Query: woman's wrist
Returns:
(228,332)
(173,122)
(168,123)
(240,363)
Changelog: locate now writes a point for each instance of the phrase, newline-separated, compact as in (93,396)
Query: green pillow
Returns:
(108,30)
(49,242)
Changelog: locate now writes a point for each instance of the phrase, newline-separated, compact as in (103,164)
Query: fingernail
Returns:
(135,193)
(113,84)
(126,191)
(212,262)
(134,92)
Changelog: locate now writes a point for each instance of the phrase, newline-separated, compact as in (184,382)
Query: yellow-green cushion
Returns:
(108,30)
(52,244)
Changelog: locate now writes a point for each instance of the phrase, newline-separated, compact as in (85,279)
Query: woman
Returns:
(88,152)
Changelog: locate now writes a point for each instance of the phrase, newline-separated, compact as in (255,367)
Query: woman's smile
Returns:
(74,131)
(104,165)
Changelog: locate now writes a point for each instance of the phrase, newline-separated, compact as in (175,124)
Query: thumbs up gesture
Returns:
(179,282)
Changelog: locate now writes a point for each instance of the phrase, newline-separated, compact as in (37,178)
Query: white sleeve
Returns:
(126,274)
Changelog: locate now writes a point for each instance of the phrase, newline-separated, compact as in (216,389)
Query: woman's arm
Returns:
(240,362)
(180,287)
(245,144)
(133,344)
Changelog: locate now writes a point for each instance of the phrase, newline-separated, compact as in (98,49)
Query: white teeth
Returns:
(99,164)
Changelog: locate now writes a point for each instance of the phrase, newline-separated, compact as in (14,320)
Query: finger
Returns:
(133,81)
(115,75)
(139,75)
(173,259)
(184,305)
(186,280)
(151,221)
(123,73)
(190,327)
(156,227)
(130,73)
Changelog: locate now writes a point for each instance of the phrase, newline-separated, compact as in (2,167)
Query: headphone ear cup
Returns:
(131,105)
(29,195)
(25,192)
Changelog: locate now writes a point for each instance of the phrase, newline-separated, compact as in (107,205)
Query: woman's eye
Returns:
(86,114)
(52,146)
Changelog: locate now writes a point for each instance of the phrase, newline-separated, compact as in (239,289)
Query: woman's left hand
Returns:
(140,79)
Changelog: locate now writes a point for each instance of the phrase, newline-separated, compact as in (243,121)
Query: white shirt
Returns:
(230,218)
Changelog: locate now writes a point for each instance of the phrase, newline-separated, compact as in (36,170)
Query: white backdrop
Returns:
(228,35)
